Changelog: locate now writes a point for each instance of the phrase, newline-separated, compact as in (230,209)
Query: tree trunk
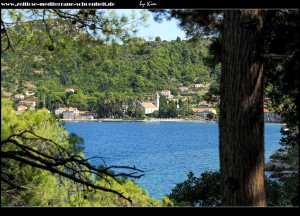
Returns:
(241,111)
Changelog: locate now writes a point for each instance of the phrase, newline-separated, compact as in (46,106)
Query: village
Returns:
(201,111)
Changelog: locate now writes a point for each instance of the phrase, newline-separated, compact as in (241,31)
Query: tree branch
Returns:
(73,167)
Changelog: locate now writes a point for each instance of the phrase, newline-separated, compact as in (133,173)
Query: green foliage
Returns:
(26,185)
(136,66)
(206,191)
(202,191)
(283,193)
(167,109)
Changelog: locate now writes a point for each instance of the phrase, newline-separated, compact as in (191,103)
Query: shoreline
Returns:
(145,120)
(134,120)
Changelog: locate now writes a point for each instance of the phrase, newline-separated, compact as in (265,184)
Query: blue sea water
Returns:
(166,151)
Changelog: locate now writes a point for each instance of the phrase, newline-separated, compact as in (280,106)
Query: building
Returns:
(198,85)
(60,110)
(69,114)
(30,104)
(271,117)
(86,115)
(166,93)
(43,110)
(63,109)
(150,107)
(69,90)
(28,93)
(183,89)
(19,96)
(203,103)
(18,112)
(203,112)
(21,107)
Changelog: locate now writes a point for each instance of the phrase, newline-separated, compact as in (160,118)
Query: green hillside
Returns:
(94,68)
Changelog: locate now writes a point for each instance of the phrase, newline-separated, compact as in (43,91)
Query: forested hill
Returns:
(90,66)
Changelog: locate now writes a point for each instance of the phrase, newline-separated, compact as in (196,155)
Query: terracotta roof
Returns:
(62,108)
(266,110)
(20,111)
(148,105)
(43,110)
(204,109)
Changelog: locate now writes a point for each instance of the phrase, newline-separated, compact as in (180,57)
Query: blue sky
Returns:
(167,30)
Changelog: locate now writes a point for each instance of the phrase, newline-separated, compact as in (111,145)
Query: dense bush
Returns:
(206,191)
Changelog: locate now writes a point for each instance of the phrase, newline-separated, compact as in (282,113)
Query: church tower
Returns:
(156,100)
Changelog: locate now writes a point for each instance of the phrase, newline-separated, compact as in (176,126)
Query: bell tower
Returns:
(156,100)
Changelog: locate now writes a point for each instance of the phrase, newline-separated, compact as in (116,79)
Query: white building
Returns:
(63,109)
(166,93)
(28,93)
(19,96)
(150,107)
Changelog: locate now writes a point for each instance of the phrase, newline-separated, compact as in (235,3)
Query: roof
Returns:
(62,108)
(266,110)
(148,105)
(204,109)
(69,89)
(43,110)
(25,101)
(20,111)
(165,90)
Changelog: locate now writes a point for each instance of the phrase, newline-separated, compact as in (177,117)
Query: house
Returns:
(198,85)
(202,112)
(271,117)
(166,93)
(69,90)
(203,103)
(18,112)
(28,93)
(43,110)
(19,96)
(150,107)
(70,113)
(183,89)
(38,71)
(60,110)
(31,104)
(63,109)
(86,115)
(21,107)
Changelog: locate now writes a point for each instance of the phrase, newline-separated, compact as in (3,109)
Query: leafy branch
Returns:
(63,163)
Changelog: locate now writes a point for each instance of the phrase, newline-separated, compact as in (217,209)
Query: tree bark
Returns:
(241,110)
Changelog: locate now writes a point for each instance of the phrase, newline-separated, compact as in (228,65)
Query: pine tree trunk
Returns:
(241,111)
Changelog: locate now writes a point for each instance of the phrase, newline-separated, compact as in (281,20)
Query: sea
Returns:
(165,151)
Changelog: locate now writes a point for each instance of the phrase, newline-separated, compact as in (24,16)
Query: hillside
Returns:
(92,67)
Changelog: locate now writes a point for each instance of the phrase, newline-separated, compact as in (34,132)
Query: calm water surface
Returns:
(166,151)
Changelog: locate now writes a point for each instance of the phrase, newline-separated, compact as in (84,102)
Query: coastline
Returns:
(135,120)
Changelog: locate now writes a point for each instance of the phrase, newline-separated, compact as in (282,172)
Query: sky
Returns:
(167,30)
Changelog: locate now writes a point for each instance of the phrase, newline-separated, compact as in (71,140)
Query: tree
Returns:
(33,145)
(241,120)
(243,38)
(206,191)
(37,141)
(202,191)
(158,39)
